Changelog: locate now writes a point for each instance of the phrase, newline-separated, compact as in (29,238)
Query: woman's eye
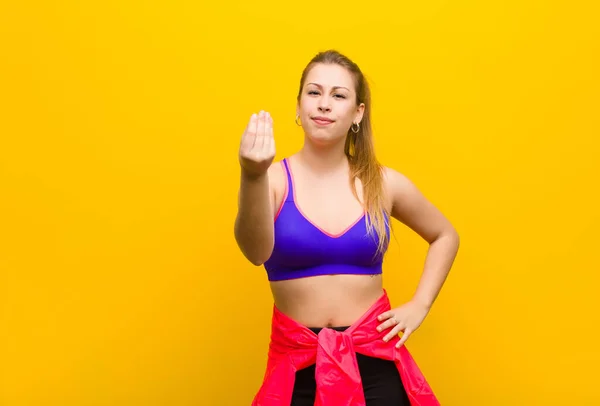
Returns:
(337,95)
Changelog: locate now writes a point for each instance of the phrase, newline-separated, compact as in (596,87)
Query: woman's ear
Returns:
(360,111)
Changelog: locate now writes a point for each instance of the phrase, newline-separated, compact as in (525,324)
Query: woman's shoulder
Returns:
(277,175)
(394,179)
(412,207)
(276,170)
(398,186)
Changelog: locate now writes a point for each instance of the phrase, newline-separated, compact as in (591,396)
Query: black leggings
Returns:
(381,382)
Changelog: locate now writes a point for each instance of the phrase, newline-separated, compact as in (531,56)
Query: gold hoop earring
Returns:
(357,128)
(296,120)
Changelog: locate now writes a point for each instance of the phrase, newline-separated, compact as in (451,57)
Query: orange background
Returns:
(120,280)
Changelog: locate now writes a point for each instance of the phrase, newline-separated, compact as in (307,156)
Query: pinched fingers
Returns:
(249,135)
(268,142)
(261,131)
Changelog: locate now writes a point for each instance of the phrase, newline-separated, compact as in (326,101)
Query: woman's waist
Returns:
(327,300)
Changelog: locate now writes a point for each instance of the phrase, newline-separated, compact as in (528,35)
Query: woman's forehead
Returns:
(330,75)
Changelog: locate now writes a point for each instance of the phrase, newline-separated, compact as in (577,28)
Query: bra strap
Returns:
(290,184)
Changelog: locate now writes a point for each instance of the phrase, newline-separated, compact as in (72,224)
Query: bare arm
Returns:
(254,221)
(410,207)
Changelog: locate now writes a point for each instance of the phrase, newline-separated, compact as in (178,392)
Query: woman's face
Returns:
(327,106)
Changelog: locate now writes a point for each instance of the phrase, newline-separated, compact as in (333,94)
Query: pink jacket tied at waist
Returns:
(294,346)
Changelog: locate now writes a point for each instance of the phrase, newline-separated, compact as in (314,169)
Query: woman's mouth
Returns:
(322,120)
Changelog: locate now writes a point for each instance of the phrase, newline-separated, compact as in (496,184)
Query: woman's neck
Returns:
(324,158)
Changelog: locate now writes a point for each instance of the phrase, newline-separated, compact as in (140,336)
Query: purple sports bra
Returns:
(302,249)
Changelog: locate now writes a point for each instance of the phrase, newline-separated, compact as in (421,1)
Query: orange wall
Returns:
(120,281)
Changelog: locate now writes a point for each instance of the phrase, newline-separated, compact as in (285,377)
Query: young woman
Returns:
(319,223)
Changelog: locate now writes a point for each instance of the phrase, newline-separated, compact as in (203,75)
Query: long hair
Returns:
(360,150)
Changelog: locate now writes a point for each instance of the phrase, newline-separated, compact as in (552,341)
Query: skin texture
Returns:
(322,193)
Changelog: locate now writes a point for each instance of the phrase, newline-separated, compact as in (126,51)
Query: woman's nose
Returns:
(324,107)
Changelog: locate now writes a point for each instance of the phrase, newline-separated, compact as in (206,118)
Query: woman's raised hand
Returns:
(257,147)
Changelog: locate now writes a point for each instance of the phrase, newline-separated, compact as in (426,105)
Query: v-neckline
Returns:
(315,225)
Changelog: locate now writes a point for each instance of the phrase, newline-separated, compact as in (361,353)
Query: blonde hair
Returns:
(360,150)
